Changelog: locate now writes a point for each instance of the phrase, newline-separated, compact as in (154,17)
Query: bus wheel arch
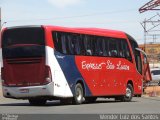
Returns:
(129,92)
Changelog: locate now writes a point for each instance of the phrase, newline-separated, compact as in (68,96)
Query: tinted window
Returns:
(125,50)
(136,54)
(23,36)
(105,46)
(23,42)
(90,45)
(58,40)
(98,46)
(24,52)
(113,51)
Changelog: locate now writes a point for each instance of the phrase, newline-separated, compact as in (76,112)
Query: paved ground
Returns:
(102,106)
(139,105)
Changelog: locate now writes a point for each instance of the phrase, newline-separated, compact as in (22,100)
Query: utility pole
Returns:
(145,33)
(0,21)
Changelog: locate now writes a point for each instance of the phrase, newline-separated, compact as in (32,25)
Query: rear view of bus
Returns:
(23,53)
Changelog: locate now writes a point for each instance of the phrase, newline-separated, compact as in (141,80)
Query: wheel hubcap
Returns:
(128,93)
(79,94)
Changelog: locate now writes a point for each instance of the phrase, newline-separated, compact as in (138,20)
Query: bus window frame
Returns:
(88,37)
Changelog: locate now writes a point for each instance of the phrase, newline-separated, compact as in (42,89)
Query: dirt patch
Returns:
(152,91)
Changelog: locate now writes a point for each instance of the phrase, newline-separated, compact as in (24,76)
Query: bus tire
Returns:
(37,102)
(129,93)
(79,94)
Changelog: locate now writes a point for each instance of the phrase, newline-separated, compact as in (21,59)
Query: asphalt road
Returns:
(102,106)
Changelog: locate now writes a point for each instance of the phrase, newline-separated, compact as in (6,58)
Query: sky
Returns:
(120,15)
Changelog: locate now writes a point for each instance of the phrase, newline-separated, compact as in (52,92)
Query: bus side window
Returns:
(105,46)
(87,44)
(122,49)
(127,51)
(113,51)
(99,46)
(81,44)
(77,40)
(64,49)
(70,42)
(96,47)
(57,41)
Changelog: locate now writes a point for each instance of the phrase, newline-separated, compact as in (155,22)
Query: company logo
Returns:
(107,65)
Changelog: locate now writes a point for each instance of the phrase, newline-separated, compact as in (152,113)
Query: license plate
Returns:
(24,90)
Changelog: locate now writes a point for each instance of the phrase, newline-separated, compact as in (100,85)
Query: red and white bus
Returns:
(43,63)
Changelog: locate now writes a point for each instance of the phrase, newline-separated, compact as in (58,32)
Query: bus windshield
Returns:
(23,42)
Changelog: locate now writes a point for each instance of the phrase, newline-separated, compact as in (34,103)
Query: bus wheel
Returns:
(90,99)
(37,102)
(129,93)
(79,93)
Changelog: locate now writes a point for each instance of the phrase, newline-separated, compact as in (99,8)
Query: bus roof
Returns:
(92,31)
